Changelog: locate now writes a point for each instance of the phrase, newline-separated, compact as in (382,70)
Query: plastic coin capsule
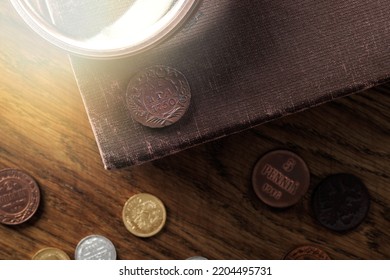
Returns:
(104,29)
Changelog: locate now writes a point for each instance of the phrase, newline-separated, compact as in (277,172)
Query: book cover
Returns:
(246,62)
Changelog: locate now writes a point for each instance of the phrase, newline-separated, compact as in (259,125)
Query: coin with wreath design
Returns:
(158,96)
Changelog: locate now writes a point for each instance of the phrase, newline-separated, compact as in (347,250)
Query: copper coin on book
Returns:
(144,215)
(280,178)
(307,252)
(158,96)
(19,196)
(50,253)
(340,202)
(95,247)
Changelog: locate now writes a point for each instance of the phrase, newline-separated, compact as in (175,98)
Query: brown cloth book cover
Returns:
(247,62)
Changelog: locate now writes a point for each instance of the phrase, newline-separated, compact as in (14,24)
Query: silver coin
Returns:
(199,258)
(95,247)
(158,96)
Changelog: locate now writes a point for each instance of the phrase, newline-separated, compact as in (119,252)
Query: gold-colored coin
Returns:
(144,215)
(50,254)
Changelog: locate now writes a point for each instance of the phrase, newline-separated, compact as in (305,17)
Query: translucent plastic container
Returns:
(104,29)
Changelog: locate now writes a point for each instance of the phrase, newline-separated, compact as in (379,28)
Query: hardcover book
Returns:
(246,63)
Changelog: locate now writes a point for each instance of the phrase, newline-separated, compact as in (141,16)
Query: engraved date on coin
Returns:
(280,178)
(158,96)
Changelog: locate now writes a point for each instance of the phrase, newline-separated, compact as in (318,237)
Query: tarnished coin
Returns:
(158,96)
(144,215)
(95,247)
(197,258)
(50,254)
(280,178)
(19,197)
(340,202)
(307,252)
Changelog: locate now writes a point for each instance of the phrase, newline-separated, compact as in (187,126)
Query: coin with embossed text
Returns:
(340,202)
(19,196)
(95,247)
(307,252)
(158,96)
(280,178)
(50,253)
(144,215)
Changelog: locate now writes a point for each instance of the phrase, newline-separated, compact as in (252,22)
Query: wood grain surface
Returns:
(211,207)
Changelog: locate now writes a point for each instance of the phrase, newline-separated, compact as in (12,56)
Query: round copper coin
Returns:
(307,252)
(280,178)
(340,202)
(19,197)
(158,96)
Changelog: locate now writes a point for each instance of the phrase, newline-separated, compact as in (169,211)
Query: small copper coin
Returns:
(50,254)
(19,197)
(340,202)
(280,178)
(307,252)
(144,215)
(158,96)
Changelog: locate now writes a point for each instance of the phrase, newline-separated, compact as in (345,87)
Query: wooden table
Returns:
(212,209)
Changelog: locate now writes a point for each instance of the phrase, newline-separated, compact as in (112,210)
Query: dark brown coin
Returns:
(158,96)
(340,202)
(307,252)
(280,178)
(19,197)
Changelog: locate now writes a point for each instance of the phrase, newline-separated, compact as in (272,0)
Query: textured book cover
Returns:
(246,62)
